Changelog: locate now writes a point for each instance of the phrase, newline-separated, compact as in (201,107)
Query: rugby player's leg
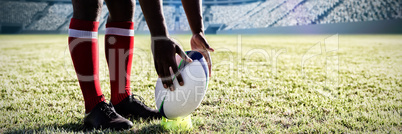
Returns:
(83,44)
(119,46)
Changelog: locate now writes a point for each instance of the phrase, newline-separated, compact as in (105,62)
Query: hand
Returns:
(164,51)
(200,44)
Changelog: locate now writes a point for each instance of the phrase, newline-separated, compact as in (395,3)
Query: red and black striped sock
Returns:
(119,45)
(83,44)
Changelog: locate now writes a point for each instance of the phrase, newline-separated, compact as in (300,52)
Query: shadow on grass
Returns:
(156,128)
(68,127)
(79,128)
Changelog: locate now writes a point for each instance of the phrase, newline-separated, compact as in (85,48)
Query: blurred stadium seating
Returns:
(54,15)
(364,10)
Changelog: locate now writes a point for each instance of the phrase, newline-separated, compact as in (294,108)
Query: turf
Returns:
(260,84)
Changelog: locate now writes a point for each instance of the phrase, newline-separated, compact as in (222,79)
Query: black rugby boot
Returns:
(104,116)
(132,107)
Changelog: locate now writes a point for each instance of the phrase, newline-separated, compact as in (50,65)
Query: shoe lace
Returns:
(109,110)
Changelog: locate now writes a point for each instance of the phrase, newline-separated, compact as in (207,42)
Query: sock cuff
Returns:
(120,28)
(83,29)
(84,25)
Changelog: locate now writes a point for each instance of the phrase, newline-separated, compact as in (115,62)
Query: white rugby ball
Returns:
(184,99)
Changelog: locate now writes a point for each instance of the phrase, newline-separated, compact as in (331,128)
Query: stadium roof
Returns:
(165,2)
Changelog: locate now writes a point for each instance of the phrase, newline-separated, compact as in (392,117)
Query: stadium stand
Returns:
(54,15)
(364,10)
(228,14)
(170,13)
(19,12)
(183,23)
(269,12)
(306,13)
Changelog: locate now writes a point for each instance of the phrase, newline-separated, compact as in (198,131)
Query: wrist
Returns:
(159,32)
(198,32)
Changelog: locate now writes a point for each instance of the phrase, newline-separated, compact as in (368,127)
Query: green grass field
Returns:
(260,84)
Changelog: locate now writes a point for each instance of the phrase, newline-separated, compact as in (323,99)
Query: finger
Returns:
(158,69)
(209,66)
(206,45)
(161,74)
(167,79)
(209,62)
(207,57)
(182,54)
(177,74)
